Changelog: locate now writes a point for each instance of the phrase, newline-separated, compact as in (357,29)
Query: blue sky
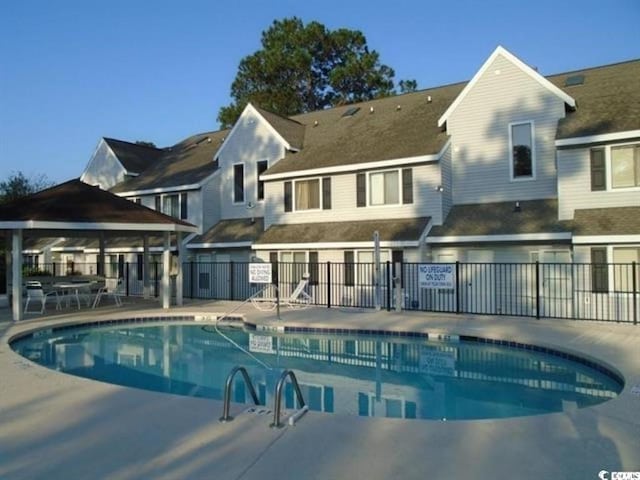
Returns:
(73,71)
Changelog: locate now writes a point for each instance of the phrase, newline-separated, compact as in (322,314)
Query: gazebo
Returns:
(74,208)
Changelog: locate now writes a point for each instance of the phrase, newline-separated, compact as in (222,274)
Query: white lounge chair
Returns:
(113,288)
(35,294)
(298,299)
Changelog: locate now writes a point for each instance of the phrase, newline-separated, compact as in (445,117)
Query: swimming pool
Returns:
(413,376)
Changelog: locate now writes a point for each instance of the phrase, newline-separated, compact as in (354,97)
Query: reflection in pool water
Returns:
(359,375)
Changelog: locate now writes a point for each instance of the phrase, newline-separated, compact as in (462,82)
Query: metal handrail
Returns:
(227,392)
(278,397)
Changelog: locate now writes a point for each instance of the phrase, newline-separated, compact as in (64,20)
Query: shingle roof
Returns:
(608,101)
(76,202)
(186,163)
(607,221)
(535,216)
(135,158)
(291,130)
(400,230)
(231,231)
(399,127)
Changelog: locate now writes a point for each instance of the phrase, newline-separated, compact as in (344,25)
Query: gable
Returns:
(252,135)
(488,68)
(104,169)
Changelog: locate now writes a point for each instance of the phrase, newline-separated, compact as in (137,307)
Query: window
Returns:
(522,152)
(262,167)
(390,187)
(137,200)
(238,183)
(297,264)
(623,257)
(171,205)
(308,194)
(174,205)
(116,266)
(625,166)
(384,188)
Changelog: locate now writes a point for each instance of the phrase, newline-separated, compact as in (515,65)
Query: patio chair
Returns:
(298,299)
(113,288)
(35,294)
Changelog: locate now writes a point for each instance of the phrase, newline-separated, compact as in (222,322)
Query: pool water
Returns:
(378,376)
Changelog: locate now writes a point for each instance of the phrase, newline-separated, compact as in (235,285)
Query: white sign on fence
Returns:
(260,343)
(436,275)
(259,273)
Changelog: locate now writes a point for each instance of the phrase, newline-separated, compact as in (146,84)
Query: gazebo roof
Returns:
(74,205)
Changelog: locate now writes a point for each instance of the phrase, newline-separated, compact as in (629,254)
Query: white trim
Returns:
(352,167)
(532,131)
(604,137)
(123,250)
(518,63)
(520,237)
(587,239)
(219,245)
(162,190)
(248,110)
(44,225)
(335,245)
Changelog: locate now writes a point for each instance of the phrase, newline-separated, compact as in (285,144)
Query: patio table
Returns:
(75,289)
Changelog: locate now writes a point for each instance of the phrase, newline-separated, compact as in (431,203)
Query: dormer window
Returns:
(522,151)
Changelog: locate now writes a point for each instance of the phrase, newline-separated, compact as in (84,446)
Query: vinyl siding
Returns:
(211,203)
(426,201)
(446,183)
(103,169)
(479,128)
(250,142)
(574,186)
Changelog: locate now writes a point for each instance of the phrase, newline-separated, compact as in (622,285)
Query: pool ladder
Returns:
(226,417)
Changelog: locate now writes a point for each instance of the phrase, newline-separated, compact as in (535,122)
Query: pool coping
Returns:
(603,437)
(432,336)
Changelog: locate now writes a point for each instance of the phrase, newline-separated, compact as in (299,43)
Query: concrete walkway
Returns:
(57,426)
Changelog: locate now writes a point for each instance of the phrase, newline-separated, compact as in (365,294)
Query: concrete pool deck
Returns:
(57,426)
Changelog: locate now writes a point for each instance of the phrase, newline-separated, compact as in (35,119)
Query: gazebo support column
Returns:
(146,283)
(7,242)
(179,284)
(166,267)
(16,277)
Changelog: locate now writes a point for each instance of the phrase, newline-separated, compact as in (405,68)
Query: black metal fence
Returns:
(605,292)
